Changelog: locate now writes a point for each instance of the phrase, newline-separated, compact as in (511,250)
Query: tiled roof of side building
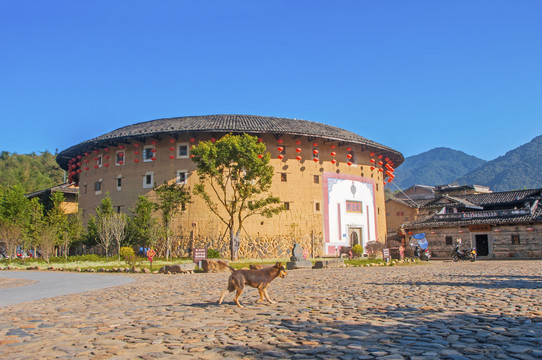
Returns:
(251,124)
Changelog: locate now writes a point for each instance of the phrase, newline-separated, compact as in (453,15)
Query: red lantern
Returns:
(380,170)
(136,145)
(348,149)
(85,161)
(372,160)
(95,151)
(79,163)
(372,154)
(260,156)
(280,141)
(298,158)
(153,150)
(121,154)
(213,140)
(380,163)
(333,161)
(372,168)
(315,152)
(191,155)
(136,152)
(315,144)
(87,154)
(86,168)
(106,156)
(79,157)
(315,159)
(121,147)
(121,162)
(153,142)
(281,156)
(79,171)
(172,157)
(136,160)
(260,140)
(106,149)
(153,158)
(280,148)
(349,156)
(390,180)
(96,166)
(96,158)
(172,148)
(298,142)
(172,141)
(298,150)
(333,146)
(192,139)
(333,153)
(380,156)
(106,164)
(349,163)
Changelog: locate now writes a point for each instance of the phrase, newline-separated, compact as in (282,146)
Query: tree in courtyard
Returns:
(118,229)
(172,199)
(47,241)
(100,225)
(142,222)
(235,177)
(57,220)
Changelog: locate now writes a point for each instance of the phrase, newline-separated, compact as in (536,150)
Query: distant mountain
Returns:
(520,168)
(439,166)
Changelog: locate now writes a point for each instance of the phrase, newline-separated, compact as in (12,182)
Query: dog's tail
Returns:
(231,269)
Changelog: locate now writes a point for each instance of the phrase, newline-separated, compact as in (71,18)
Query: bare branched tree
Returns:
(105,232)
(10,234)
(48,239)
(118,228)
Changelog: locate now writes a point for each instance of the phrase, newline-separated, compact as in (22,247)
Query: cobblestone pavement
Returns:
(442,310)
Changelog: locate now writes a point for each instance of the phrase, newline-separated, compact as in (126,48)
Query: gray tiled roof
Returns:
(225,124)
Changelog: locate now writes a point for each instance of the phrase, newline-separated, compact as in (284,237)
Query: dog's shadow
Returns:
(204,305)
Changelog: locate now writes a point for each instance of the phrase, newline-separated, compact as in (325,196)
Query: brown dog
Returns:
(258,279)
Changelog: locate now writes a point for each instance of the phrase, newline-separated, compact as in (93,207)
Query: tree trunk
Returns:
(234,245)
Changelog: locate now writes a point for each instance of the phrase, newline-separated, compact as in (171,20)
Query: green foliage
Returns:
(235,177)
(213,254)
(141,223)
(32,172)
(357,249)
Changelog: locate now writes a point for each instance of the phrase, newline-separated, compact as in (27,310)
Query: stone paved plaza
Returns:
(440,310)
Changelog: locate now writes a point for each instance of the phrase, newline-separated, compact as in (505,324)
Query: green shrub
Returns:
(126,251)
(213,254)
(357,250)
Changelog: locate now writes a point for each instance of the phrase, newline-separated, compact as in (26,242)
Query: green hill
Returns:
(520,168)
(439,166)
(34,172)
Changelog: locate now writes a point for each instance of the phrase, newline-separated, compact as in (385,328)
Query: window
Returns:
(119,182)
(286,206)
(317,179)
(515,239)
(283,177)
(148,152)
(182,150)
(118,209)
(98,187)
(119,158)
(99,161)
(148,180)
(449,240)
(317,206)
(84,188)
(181,177)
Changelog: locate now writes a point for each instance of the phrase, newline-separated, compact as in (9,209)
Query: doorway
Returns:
(482,245)
(354,234)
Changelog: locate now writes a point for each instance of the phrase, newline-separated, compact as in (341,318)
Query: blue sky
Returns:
(412,75)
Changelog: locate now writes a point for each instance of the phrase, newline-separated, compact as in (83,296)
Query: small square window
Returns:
(148,180)
(119,183)
(99,161)
(317,207)
(283,177)
(515,239)
(181,177)
(98,187)
(182,150)
(148,152)
(449,240)
(119,158)
(317,179)
(286,206)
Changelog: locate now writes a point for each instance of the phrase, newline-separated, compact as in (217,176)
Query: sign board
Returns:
(151,253)
(386,254)
(199,254)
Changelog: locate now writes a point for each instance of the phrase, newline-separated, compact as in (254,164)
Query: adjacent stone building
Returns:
(500,225)
(330,180)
